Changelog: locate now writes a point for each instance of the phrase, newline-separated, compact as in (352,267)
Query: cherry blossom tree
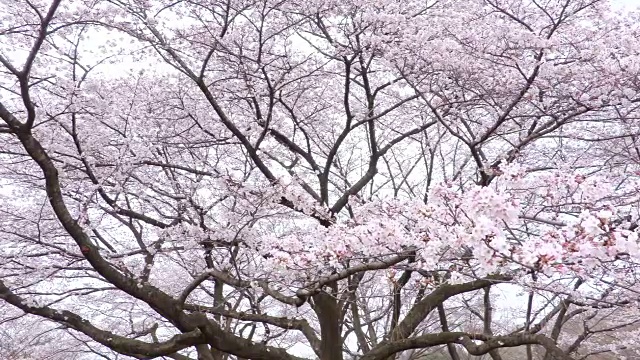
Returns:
(274,179)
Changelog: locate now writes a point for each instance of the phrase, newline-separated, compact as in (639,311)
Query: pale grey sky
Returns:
(628,3)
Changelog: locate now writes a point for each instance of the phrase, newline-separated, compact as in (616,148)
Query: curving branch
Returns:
(301,325)
(468,341)
(315,287)
(115,342)
(422,308)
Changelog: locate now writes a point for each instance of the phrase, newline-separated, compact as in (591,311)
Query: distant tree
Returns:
(276,179)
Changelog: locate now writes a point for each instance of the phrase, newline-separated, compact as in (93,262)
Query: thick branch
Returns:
(118,343)
(376,265)
(282,322)
(468,341)
(423,307)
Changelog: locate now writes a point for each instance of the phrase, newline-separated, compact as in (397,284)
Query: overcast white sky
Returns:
(628,3)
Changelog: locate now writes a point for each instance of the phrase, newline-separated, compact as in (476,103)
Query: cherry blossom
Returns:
(328,179)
